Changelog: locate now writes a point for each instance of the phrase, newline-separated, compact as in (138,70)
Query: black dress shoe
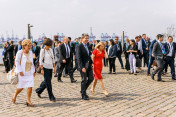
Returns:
(55,75)
(122,68)
(173,79)
(85,97)
(39,95)
(110,73)
(53,100)
(153,76)
(137,72)
(60,81)
(161,81)
(72,81)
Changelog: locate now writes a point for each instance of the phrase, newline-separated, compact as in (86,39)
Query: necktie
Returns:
(86,49)
(67,51)
(34,49)
(162,48)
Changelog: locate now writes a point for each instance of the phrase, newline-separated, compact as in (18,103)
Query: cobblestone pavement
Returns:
(130,96)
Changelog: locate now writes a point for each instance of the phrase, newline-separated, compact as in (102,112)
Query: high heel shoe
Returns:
(92,91)
(13,101)
(106,93)
(30,105)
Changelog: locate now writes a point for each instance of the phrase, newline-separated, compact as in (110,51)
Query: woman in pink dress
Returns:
(97,57)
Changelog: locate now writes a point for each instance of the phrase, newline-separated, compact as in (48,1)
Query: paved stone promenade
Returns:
(130,96)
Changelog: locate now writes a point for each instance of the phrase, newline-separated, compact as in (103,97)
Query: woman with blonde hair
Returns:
(97,56)
(25,70)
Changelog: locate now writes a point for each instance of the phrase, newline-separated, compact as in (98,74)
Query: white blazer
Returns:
(21,68)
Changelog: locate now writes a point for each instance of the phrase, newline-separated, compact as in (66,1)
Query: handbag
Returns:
(37,67)
(12,77)
(37,64)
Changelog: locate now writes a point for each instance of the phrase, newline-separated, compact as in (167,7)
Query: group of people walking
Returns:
(89,59)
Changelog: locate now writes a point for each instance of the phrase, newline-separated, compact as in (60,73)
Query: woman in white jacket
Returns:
(25,70)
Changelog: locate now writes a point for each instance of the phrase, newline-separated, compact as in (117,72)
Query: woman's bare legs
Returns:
(16,94)
(93,86)
(103,88)
(29,92)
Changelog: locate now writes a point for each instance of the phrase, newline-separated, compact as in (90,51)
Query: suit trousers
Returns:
(112,64)
(105,61)
(159,70)
(67,66)
(46,83)
(150,64)
(76,65)
(170,61)
(11,63)
(146,58)
(6,64)
(87,79)
(120,59)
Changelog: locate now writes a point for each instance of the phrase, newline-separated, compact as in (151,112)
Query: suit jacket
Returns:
(57,57)
(120,48)
(144,46)
(72,47)
(151,47)
(167,46)
(36,52)
(84,58)
(157,51)
(112,51)
(90,46)
(5,52)
(62,52)
(10,51)
(76,51)
(16,49)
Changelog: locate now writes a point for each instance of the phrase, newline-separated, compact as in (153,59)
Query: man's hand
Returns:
(54,70)
(147,49)
(64,61)
(84,70)
(21,74)
(42,71)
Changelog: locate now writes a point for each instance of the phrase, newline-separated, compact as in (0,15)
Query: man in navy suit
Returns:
(170,55)
(119,51)
(151,57)
(145,49)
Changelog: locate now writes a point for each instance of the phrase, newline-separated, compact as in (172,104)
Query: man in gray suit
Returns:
(158,52)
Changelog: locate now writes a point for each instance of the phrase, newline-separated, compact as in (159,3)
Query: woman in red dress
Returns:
(97,56)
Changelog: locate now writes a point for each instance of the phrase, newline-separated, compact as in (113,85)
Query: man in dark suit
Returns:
(151,57)
(145,49)
(10,54)
(5,59)
(158,52)
(76,54)
(36,52)
(72,47)
(119,51)
(18,47)
(65,58)
(147,42)
(170,55)
(85,66)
